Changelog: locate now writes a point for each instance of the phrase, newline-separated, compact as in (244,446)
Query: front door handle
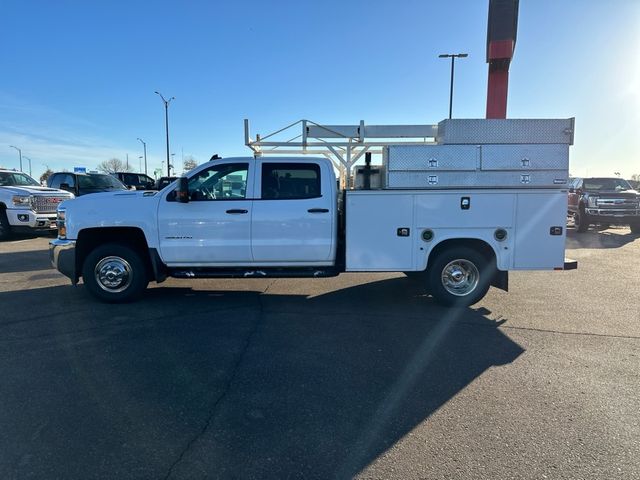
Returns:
(237,211)
(318,210)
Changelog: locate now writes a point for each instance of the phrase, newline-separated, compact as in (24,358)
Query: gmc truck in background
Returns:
(456,215)
(25,206)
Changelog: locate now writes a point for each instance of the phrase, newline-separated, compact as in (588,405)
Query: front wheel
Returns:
(5,228)
(580,221)
(114,273)
(635,227)
(460,277)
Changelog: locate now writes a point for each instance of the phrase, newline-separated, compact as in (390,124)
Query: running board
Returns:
(270,272)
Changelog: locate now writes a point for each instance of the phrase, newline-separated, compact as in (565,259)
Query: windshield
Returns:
(606,184)
(11,179)
(100,181)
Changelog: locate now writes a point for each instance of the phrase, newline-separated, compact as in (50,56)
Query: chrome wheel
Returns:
(113,274)
(460,277)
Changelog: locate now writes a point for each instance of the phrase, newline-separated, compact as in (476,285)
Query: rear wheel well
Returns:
(479,245)
(132,237)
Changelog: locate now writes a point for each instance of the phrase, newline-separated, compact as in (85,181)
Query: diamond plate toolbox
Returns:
(432,157)
(524,157)
(505,131)
(479,179)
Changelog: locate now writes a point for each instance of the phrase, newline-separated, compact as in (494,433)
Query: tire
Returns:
(580,221)
(115,273)
(460,276)
(635,227)
(5,228)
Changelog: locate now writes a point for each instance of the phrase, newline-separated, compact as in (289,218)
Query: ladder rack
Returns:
(344,145)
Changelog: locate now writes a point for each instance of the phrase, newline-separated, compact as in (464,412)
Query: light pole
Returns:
(139,162)
(166,126)
(20,154)
(453,57)
(29,164)
(173,156)
(144,146)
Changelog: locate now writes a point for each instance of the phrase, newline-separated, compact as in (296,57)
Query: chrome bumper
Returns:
(62,254)
(613,212)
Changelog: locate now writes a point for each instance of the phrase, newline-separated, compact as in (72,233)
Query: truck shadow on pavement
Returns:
(230,384)
(27,261)
(604,238)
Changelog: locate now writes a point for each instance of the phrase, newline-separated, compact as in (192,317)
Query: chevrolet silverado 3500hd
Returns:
(458,216)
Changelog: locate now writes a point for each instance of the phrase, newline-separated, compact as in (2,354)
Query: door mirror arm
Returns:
(182,192)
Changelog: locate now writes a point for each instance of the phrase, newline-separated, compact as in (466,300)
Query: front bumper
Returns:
(62,254)
(30,220)
(609,215)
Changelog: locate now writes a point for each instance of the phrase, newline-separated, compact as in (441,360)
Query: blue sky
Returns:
(78,77)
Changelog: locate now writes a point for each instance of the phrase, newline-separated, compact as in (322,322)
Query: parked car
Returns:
(138,181)
(25,205)
(164,181)
(603,201)
(84,183)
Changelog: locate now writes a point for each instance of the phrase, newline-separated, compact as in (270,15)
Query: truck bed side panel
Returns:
(372,240)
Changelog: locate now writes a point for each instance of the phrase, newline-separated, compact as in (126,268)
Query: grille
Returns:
(617,203)
(47,204)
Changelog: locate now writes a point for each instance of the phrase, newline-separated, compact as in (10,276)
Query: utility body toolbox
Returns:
(484,153)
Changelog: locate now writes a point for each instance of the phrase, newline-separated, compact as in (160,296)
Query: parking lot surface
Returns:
(356,376)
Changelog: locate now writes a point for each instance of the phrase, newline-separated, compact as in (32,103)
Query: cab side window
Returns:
(290,181)
(220,182)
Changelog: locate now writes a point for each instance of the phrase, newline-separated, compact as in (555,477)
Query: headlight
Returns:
(21,200)
(61,223)
(592,202)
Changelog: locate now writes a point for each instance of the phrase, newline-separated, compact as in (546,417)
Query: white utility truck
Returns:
(457,213)
(25,206)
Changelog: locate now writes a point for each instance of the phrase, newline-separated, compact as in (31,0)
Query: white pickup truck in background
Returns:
(285,217)
(25,205)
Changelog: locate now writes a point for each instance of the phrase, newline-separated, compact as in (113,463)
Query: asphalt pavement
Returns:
(356,376)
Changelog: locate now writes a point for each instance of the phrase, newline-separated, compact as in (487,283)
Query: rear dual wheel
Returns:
(460,277)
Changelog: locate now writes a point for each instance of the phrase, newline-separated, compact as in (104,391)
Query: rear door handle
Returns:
(237,211)
(318,210)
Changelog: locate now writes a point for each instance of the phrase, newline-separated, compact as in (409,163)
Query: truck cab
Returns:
(253,212)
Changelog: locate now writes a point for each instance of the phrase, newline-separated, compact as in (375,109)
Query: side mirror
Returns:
(182,192)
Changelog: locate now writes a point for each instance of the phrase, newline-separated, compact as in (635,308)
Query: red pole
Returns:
(501,42)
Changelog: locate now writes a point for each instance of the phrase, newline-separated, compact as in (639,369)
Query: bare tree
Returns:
(189,163)
(45,176)
(114,165)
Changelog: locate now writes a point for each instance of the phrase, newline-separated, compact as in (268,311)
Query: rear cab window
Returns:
(290,181)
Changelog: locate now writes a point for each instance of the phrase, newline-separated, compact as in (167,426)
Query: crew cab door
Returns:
(294,217)
(214,227)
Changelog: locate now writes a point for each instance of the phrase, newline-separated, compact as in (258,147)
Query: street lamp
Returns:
(453,57)
(19,153)
(144,145)
(166,126)
(29,165)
